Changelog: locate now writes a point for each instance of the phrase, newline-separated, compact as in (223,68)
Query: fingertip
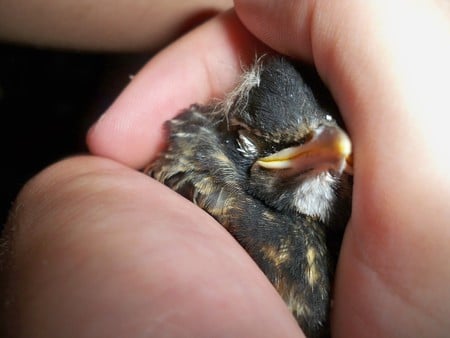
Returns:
(115,136)
(284,26)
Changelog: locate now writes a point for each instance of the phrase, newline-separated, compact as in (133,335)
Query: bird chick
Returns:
(272,165)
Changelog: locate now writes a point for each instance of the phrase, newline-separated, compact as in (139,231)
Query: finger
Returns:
(359,48)
(201,65)
(97,249)
(126,25)
(386,63)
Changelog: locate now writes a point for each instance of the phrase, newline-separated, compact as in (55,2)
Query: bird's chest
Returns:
(316,196)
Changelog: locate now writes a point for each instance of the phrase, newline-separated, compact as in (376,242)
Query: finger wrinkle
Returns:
(387,284)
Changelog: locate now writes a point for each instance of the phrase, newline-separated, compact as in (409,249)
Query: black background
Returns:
(48,99)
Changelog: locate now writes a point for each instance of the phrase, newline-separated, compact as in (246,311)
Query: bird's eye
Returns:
(246,145)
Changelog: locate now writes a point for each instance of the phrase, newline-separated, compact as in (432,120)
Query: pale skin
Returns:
(101,250)
(121,25)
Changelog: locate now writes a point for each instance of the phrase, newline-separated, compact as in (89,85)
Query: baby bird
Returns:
(272,164)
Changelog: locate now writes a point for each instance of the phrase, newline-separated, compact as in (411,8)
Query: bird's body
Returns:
(230,159)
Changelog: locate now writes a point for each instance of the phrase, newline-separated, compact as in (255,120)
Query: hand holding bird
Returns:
(95,247)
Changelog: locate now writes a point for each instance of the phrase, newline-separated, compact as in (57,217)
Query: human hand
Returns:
(99,249)
(98,26)
(386,63)
(117,259)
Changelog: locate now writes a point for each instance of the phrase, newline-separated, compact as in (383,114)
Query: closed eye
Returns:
(246,145)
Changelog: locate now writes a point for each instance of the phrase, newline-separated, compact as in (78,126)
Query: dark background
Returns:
(48,99)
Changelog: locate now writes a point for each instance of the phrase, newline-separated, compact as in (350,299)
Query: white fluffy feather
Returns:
(316,195)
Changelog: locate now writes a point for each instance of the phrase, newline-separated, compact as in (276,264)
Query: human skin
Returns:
(389,76)
(99,249)
(121,25)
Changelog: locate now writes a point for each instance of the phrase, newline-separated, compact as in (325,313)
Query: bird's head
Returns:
(286,125)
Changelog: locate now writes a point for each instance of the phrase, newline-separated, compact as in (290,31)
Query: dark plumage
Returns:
(270,163)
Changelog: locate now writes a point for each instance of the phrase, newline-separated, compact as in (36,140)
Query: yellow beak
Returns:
(329,148)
